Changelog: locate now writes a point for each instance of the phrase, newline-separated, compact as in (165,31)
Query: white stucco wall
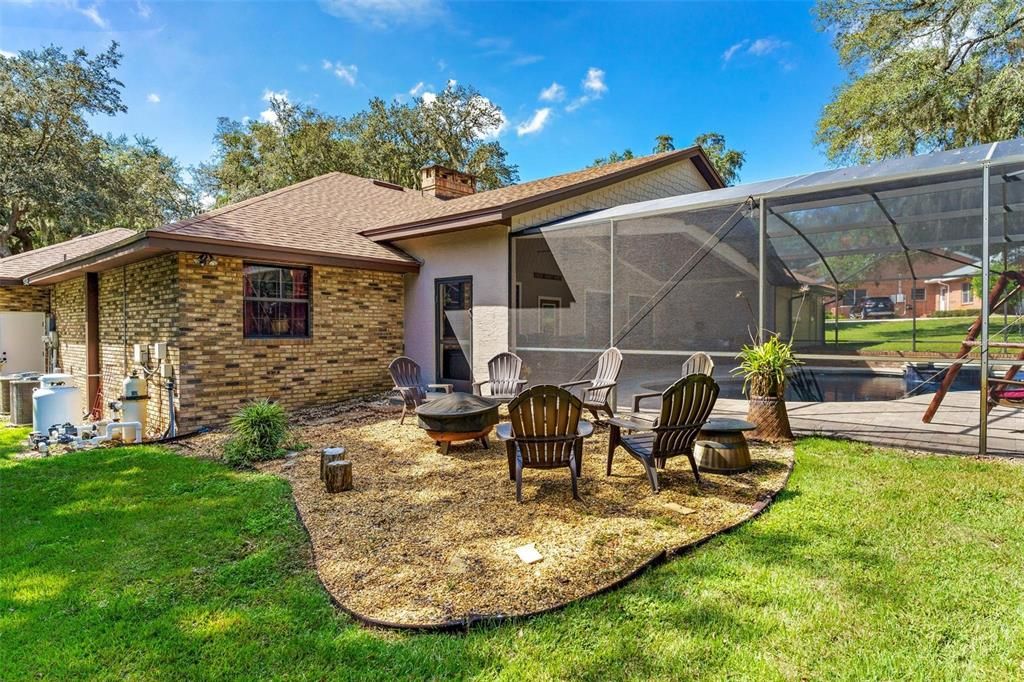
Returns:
(480,253)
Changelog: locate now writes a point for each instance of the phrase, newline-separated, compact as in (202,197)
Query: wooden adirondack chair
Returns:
(685,406)
(544,431)
(504,370)
(408,378)
(698,363)
(597,392)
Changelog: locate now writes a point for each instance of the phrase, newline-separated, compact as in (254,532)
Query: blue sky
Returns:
(758,72)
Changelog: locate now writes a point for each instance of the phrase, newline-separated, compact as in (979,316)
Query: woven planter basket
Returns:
(770,417)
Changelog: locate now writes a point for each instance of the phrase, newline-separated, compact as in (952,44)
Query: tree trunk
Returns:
(338,476)
(330,455)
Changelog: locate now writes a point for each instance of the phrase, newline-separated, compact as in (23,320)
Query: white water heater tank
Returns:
(55,402)
(134,403)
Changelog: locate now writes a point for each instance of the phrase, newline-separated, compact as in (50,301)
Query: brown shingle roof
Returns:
(341,219)
(538,190)
(22,265)
(324,214)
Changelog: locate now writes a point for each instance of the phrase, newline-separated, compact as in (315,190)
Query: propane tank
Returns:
(55,403)
(134,402)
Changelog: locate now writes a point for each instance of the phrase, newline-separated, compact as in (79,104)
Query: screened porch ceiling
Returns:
(892,219)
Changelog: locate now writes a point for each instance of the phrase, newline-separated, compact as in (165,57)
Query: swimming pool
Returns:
(859,384)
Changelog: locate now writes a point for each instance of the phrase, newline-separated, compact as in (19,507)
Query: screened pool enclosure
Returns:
(875,272)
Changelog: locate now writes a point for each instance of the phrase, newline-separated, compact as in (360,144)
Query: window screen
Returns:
(276,302)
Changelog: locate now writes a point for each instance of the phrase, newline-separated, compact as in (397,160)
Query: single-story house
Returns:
(933,285)
(953,291)
(306,293)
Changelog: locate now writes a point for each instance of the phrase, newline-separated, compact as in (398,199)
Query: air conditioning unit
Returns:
(21,401)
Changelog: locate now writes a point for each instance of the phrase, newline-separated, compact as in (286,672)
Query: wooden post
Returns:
(338,476)
(329,455)
(995,300)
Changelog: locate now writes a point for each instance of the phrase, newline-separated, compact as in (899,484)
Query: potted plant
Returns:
(764,366)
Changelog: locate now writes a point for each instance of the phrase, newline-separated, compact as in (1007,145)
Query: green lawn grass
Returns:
(141,564)
(944,334)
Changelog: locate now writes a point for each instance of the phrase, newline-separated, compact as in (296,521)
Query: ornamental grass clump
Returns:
(258,432)
(764,367)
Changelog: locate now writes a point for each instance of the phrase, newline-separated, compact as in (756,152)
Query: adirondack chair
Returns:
(544,431)
(504,370)
(597,391)
(408,378)
(698,363)
(685,406)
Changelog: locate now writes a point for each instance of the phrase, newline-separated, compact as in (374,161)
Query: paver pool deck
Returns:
(898,423)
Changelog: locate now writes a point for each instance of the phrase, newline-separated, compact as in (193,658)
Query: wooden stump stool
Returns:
(338,476)
(329,455)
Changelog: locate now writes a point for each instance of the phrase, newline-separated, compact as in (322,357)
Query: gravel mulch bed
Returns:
(425,539)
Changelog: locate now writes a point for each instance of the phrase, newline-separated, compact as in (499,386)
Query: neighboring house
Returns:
(305,294)
(954,292)
(891,277)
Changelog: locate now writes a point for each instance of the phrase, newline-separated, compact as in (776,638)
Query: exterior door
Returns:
(455,331)
(21,342)
(943,297)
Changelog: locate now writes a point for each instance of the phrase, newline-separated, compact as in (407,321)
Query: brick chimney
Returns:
(445,183)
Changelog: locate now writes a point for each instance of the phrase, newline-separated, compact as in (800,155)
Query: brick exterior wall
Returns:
(23,299)
(356,330)
(69,310)
(145,295)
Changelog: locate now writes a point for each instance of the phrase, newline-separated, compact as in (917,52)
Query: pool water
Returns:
(856,385)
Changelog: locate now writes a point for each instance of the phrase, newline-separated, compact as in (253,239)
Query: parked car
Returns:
(873,306)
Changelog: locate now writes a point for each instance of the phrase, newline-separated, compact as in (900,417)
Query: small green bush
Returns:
(257,434)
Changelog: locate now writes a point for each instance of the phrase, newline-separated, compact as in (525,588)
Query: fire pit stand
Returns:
(458,417)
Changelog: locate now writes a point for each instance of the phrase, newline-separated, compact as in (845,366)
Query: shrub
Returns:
(257,433)
(764,366)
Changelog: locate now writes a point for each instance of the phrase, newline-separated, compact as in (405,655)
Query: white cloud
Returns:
(494,45)
(552,93)
(153,98)
(536,122)
(594,82)
(429,98)
(526,60)
(384,14)
(346,72)
(757,47)
(594,88)
(91,12)
(733,49)
(268,115)
(5,53)
(142,9)
(441,65)
(418,89)
(765,46)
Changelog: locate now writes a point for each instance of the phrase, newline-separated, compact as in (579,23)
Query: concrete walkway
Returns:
(898,423)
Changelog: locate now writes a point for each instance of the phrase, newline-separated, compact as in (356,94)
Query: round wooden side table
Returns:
(721,447)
